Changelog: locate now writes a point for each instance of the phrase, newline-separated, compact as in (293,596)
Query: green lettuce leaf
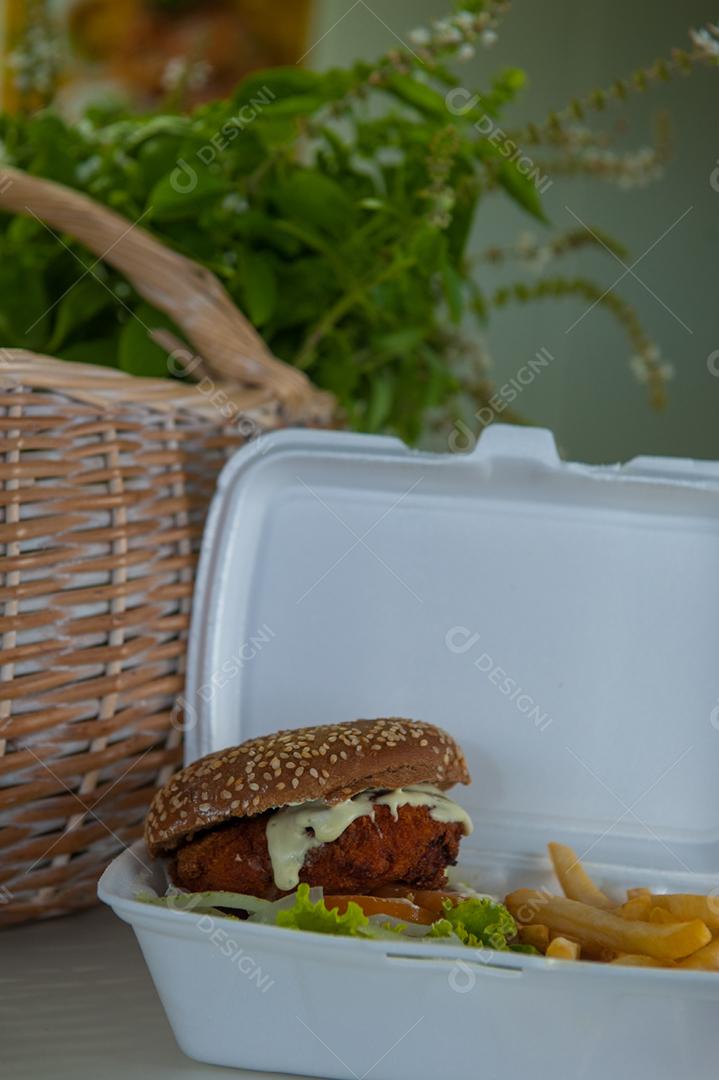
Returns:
(477,923)
(306,915)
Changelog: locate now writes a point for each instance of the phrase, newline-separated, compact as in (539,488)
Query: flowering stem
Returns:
(705,49)
(624,313)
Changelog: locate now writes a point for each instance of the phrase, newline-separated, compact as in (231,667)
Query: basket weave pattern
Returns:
(101,518)
(104,484)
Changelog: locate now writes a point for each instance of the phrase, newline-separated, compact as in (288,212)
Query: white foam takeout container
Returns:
(561,621)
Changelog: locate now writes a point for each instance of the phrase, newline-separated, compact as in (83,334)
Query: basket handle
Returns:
(189,293)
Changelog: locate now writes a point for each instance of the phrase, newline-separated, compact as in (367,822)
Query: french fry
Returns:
(600,953)
(706,959)
(686,906)
(574,879)
(662,916)
(536,935)
(635,960)
(560,948)
(595,928)
(638,907)
(632,894)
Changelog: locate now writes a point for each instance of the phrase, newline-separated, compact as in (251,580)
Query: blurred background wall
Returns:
(595,405)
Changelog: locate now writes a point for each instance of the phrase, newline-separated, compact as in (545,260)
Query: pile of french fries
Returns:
(677,930)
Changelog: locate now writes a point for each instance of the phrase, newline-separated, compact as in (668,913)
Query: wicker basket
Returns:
(104,483)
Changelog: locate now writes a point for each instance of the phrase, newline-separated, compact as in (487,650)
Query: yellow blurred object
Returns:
(659,915)
(561,948)
(637,960)
(706,959)
(535,935)
(684,906)
(638,907)
(146,52)
(574,879)
(595,928)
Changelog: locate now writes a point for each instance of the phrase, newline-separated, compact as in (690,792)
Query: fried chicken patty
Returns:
(374,850)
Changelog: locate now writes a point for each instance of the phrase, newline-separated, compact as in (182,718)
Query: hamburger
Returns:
(355,808)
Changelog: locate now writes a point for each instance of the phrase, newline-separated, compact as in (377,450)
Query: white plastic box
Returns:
(562,622)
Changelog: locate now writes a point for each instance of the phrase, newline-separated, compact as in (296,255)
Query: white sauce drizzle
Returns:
(289,839)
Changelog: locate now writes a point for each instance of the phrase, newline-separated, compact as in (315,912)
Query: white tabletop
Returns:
(77,1003)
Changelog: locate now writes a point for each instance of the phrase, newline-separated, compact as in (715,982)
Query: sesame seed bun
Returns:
(331,762)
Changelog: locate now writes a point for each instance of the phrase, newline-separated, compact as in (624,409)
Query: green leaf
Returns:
(306,915)
(521,188)
(274,84)
(401,341)
(177,196)
(297,105)
(157,157)
(137,353)
(259,287)
(24,305)
(380,401)
(53,143)
(101,351)
(78,306)
(417,94)
(316,200)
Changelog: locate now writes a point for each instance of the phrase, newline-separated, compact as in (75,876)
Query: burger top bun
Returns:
(331,762)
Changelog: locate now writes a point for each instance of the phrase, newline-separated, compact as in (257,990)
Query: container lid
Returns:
(560,620)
